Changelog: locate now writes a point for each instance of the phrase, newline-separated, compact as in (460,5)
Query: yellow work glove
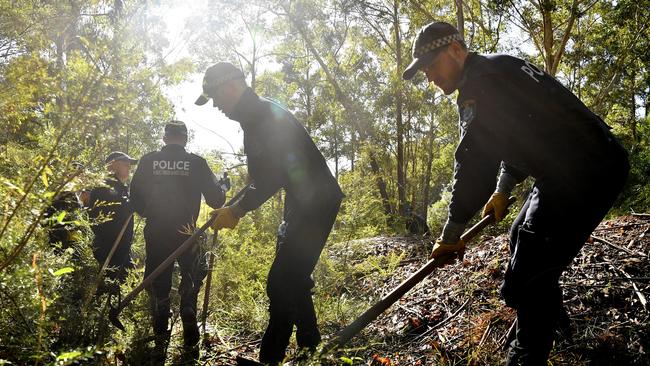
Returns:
(498,205)
(448,252)
(226,218)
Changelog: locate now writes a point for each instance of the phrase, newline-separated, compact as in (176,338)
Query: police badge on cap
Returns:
(428,43)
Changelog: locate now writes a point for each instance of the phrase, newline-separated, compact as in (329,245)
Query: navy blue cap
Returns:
(216,75)
(430,40)
(176,128)
(118,155)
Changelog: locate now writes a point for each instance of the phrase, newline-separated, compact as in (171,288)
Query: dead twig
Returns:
(485,333)
(623,226)
(640,295)
(504,340)
(617,247)
(247,344)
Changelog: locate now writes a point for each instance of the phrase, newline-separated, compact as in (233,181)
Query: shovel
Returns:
(378,308)
(113,314)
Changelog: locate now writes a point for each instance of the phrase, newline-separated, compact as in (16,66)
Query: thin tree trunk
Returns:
(351,111)
(427,177)
(401,179)
(460,19)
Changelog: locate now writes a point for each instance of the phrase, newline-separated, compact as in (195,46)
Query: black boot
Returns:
(159,354)
(160,319)
(565,328)
(518,356)
(191,335)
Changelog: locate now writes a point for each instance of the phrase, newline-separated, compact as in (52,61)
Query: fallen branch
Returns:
(636,288)
(643,215)
(505,339)
(623,226)
(617,247)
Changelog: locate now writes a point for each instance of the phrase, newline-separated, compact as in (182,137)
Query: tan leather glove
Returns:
(226,218)
(497,204)
(448,252)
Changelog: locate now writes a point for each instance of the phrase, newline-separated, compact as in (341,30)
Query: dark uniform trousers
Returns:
(301,238)
(162,239)
(547,234)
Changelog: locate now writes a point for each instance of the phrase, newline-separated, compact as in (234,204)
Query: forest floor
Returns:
(456,317)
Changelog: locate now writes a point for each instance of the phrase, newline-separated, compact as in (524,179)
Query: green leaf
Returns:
(44,179)
(346,360)
(68,355)
(59,219)
(13,186)
(63,271)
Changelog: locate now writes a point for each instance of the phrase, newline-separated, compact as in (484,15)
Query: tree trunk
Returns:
(427,177)
(401,179)
(632,120)
(352,113)
(460,19)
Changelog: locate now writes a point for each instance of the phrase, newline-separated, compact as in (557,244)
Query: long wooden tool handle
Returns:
(100,276)
(378,308)
(208,283)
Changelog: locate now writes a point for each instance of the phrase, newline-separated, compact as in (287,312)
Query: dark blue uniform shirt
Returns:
(167,186)
(513,112)
(280,154)
(110,208)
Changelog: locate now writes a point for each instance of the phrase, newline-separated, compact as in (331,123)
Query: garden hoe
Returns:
(371,314)
(113,314)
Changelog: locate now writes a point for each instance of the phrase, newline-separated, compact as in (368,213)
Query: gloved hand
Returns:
(498,205)
(448,252)
(226,218)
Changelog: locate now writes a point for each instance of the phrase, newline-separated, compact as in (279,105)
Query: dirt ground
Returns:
(455,316)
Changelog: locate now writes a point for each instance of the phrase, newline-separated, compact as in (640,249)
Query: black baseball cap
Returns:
(216,75)
(118,155)
(428,43)
(176,128)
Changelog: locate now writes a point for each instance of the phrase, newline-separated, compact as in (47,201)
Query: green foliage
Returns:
(361,214)
(72,88)
(81,78)
(437,215)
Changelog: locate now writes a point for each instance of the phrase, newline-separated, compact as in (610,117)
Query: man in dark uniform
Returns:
(517,120)
(62,234)
(280,154)
(60,217)
(166,189)
(110,210)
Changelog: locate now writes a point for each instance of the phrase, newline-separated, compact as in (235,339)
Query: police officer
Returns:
(64,234)
(166,189)
(517,120)
(110,210)
(280,155)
